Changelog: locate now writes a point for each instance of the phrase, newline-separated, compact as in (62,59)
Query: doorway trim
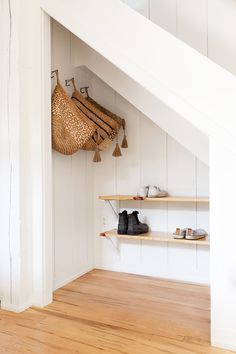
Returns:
(42,197)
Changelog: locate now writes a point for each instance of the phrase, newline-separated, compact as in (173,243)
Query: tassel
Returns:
(124,144)
(97,156)
(117,152)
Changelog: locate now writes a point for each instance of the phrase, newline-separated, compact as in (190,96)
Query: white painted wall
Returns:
(25,275)
(210,27)
(24,220)
(152,158)
(223,265)
(185,81)
(9,156)
(72,184)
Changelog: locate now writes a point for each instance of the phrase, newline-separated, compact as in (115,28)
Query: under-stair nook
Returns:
(164,73)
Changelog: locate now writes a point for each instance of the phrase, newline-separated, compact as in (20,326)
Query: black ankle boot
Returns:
(144,227)
(123,223)
(135,227)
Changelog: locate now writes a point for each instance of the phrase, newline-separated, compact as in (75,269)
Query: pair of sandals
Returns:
(151,192)
(189,234)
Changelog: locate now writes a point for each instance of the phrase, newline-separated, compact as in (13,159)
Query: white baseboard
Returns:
(72,277)
(223,338)
(15,308)
(177,280)
(223,345)
(44,304)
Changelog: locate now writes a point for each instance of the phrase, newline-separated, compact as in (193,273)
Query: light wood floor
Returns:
(113,313)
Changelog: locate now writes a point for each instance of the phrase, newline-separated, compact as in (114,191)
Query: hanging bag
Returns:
(71,129)
(119,120)
(107,127)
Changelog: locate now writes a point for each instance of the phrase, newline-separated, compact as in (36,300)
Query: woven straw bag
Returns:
(71,129)
(119,120)
(107,127)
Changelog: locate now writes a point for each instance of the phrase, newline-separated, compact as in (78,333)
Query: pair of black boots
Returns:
(129,224)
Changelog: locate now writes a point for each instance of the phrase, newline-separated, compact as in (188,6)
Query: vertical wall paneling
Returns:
(163,13)
(72,183)
(153,149)
(128,177)
(222,33)
(141,6)
(192,23)
(104,180)
(154,158)
(5,176)
(181,181)
(153,168)
(128,172)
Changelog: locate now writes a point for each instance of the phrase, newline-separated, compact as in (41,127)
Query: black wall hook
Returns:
(68,81)
(53,72)
(84,90)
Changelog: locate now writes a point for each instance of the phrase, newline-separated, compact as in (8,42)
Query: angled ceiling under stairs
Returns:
(182,91)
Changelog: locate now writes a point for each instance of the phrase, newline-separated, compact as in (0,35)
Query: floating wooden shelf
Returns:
(157,236)
(160,200)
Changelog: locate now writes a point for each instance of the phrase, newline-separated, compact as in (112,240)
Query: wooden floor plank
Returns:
(114,313)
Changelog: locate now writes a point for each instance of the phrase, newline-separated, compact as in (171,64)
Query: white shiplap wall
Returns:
(154,158)
(72,185)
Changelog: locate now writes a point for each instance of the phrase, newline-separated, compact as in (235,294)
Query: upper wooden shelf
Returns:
(156,236)
(161,200)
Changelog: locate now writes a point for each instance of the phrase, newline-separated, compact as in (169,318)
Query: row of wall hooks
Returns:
(83,90)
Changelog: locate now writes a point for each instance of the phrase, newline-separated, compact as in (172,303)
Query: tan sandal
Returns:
(179,233)
(195,234)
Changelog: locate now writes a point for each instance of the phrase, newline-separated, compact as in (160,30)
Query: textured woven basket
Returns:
(119,120)
(71,128)
(106,126)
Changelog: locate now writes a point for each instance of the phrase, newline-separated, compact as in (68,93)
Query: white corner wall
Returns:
(25,267)
(72,184)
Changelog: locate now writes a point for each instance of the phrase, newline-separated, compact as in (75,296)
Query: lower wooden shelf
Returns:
(156,236)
